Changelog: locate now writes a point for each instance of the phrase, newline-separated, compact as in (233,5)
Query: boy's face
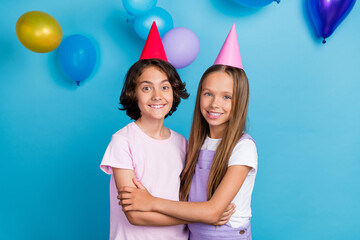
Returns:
(154,94)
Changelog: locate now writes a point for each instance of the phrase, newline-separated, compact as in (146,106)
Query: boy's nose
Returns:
(156,95)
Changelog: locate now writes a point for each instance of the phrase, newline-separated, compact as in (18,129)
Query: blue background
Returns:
(304,115)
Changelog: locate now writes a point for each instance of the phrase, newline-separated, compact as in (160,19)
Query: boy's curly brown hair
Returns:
(128,97)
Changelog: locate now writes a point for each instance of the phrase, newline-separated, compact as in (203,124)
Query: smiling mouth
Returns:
(157,106)
(213,115)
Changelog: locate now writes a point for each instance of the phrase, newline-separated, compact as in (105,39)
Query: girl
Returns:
(222,159)
(146,149)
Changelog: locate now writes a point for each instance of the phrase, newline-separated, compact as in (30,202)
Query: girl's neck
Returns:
(216,132)
(153,128)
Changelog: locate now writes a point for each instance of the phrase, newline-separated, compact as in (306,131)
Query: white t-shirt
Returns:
(244,153)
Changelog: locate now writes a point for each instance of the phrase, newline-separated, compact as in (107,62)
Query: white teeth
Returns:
(215,114)
(157,106)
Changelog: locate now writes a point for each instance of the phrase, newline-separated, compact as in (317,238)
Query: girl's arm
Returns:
(206,212)
(123,177)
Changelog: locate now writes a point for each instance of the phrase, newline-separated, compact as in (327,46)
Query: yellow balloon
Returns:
(38,31)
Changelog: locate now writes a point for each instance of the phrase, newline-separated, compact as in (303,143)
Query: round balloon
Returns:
(328,14)
(255,3)
(138,7)
(181,46)
(77,57)
(38,31)
(163,19)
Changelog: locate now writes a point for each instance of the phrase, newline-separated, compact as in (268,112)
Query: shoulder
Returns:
(244,153)
(177,136)
(179,140)
(246,143)
(123,135)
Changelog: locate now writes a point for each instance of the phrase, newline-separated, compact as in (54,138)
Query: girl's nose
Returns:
(214,103)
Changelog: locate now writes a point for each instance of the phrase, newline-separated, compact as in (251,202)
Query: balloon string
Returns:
(324,41)
(78,83)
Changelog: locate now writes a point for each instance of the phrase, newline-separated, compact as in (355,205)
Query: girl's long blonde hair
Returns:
(200,129)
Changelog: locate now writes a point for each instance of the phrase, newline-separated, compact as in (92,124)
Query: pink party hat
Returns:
(230,54)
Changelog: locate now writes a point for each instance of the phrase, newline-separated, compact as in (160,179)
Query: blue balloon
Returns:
(137,8)
(163,19)
(255,3)
(77,56)
(328,14)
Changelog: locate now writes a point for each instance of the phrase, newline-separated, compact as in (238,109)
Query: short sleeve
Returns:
(245,153)
(117,154)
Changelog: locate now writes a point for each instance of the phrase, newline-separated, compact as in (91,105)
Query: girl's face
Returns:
(215,101)
(154,94)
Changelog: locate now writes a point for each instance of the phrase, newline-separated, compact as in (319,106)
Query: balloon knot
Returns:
(78,83)
(277,1)
(324,41)
(130,19)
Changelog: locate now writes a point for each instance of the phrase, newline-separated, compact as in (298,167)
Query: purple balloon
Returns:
(328,14)
(181,46)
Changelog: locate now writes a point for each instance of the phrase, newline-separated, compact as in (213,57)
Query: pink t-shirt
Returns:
(158,165)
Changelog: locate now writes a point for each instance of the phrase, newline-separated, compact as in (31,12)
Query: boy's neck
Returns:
(153,128)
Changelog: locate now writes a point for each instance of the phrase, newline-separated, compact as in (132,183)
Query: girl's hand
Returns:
(135,199)
(225,217)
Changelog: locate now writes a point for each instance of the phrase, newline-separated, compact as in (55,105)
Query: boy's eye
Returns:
(227,97)
(165,87)
(207,94)
(146,89)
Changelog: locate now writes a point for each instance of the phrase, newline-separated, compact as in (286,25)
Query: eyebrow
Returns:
(226,92)
(148,82)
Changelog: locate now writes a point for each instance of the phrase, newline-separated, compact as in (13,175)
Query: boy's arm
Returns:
(123,177)
(206,212)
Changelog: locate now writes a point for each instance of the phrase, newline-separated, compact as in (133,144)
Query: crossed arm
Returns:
(123,179)
(206,212)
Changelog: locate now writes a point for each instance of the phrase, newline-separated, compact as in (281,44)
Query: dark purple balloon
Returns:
(328,14)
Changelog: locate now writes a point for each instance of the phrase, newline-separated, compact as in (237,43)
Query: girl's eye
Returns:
(166,87)
(146,89)
(227,97)
(207,94)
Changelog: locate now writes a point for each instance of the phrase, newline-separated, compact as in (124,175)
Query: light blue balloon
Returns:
(77,56)
(138,7)
(255,3)
(163,19)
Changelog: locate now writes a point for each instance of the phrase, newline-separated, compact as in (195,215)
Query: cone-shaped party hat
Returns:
(153,46)
(230,54)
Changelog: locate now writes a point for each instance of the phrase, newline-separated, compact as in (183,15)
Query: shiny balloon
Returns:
(38,31)
(138,7)
(77,57)
(255,3)
(163,19)
(328,14)
(181,46)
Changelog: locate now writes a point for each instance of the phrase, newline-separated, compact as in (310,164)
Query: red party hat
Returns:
(153,46)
